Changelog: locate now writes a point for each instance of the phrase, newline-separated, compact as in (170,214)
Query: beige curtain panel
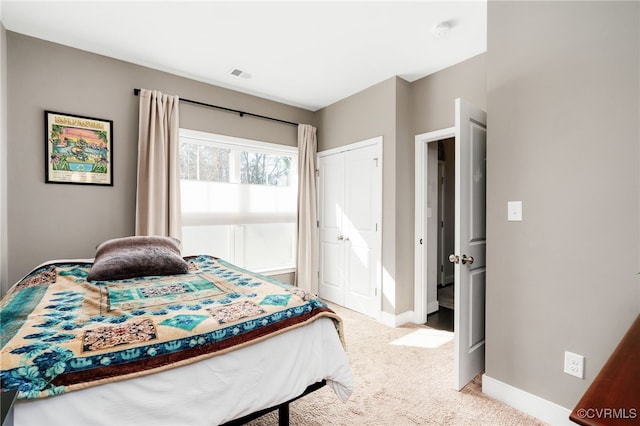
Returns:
(307,250)
(158,190)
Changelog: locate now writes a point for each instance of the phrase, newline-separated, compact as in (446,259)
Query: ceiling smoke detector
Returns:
(441,30)
(239,73)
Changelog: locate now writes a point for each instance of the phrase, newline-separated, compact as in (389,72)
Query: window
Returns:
(239,200)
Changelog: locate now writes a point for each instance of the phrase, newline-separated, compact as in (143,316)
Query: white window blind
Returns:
(239,200)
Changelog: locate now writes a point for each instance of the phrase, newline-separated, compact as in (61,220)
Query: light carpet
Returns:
(399,384)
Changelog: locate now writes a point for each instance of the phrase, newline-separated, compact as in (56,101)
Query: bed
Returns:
(203,343)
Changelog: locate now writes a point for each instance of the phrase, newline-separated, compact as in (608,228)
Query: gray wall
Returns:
(398,110)
(78,82)
(405,195)
(433,96)
(53,221)
(365,115)
(362,116)
(563,137)
(433,108)
(3,155)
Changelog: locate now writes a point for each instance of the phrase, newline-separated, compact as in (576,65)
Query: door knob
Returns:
(340,237)
(465,259)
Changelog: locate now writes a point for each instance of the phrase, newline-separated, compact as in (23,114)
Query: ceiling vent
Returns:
(239,73)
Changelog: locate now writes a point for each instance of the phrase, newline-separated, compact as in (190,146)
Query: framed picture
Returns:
(79,149)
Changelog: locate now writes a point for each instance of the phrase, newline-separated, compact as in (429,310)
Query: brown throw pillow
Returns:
(131,257)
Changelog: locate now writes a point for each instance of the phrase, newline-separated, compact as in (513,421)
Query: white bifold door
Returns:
(350,213)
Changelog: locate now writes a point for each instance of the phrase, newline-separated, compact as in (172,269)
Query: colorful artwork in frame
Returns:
(79,149)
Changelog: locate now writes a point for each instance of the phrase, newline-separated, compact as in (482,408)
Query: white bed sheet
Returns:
(209,392)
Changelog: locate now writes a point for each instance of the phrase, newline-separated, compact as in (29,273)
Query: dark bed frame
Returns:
(283,409)
(8,398)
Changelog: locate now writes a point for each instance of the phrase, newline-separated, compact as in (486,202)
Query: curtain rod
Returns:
(241,113)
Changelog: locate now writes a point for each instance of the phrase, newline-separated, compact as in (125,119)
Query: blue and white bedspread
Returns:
(61,332)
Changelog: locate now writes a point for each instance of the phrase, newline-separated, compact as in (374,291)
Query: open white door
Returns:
(470,242)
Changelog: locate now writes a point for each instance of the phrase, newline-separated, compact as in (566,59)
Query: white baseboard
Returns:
(526,402)
(396,320)
(431,308)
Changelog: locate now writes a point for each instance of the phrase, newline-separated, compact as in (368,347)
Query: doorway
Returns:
(443,317)
(435,203)
(468,256)
(446,220)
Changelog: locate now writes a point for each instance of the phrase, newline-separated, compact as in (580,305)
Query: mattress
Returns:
(209,392)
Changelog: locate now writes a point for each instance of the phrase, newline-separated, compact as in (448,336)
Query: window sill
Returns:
(271,272)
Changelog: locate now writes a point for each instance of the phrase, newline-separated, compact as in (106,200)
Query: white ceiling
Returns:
(306,54)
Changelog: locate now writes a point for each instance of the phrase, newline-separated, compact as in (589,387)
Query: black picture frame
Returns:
(78,149)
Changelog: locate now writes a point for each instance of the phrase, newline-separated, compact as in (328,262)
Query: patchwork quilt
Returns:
(60,332)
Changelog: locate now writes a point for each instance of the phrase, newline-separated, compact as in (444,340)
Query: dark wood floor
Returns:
(441,319)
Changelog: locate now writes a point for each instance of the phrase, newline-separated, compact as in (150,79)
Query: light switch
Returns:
(514,210)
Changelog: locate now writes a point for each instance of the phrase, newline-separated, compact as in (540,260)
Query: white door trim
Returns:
(352,146)
(420,307)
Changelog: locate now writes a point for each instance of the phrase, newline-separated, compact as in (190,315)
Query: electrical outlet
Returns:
(574,364)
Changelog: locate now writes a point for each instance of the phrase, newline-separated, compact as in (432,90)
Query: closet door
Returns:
(362,201)
(350,204)
(331,201)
